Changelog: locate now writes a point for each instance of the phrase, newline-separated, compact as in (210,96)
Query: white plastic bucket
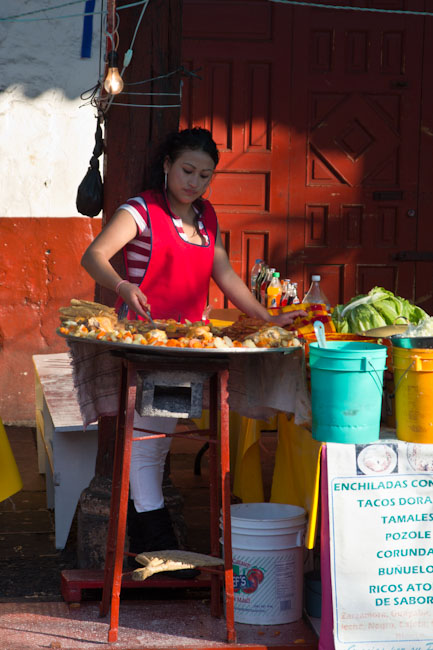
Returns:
(267,548)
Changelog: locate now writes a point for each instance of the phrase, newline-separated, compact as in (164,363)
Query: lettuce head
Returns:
(377,308)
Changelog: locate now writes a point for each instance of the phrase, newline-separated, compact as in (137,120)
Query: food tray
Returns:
(412,342)
(176,352)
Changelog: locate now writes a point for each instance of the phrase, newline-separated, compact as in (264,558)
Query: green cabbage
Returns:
(377,308)
(364,317)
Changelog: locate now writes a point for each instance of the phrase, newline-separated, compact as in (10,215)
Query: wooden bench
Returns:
(66,453)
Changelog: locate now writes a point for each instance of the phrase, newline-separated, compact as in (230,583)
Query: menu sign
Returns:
(381,541)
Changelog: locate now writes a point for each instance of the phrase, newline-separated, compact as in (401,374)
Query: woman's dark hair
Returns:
(175,144)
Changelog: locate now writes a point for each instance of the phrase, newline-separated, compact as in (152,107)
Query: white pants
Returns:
(147,462)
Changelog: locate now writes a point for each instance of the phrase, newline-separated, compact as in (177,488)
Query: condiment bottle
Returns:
(315,293)
(273,292)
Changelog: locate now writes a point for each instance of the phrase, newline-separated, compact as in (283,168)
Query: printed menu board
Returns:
(381,542)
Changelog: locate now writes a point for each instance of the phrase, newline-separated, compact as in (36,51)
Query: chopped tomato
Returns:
(173,343)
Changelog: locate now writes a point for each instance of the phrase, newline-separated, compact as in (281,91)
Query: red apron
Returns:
(176,281)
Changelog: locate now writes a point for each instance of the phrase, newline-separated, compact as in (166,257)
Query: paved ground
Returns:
(30,565)
(34,615)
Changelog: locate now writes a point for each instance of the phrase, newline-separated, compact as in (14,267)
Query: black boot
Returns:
(150,531)
(153,531)
(133,528)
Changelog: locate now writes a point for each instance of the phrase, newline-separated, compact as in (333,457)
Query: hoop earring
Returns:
(165,180)
(208,196)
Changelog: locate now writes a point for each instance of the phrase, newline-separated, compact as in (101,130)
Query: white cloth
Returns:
(260,384)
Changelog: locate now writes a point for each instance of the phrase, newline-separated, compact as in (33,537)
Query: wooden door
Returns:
(355,143)
(243,98)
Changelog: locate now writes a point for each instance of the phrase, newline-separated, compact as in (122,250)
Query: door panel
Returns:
(354,119)
(243,98)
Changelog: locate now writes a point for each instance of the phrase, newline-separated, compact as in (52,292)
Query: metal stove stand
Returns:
(149,382)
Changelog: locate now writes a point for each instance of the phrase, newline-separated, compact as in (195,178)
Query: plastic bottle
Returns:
(315,293)
(273,292)
(264,285)
(255,271)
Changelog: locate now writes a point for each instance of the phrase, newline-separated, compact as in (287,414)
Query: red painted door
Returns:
(355,124)
(243,98)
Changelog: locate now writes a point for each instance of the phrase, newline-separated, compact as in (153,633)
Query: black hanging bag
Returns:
(90,194)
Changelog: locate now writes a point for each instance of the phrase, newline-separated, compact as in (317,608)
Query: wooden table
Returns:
(66,453)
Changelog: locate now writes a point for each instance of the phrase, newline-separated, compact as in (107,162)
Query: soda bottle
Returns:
(264,286)
(285,296)
(255,274)
(315,293)
(273,292)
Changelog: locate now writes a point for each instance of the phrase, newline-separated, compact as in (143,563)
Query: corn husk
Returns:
(157,561)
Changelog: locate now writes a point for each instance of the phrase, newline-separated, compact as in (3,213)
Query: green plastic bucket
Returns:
(346,391)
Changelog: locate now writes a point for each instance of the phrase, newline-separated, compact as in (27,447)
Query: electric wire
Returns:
(320,5)
(20,18)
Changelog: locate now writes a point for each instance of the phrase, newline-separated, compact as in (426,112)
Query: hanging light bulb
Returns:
(113,83)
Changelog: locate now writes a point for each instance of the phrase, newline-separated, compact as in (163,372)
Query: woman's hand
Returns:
(134,298)
(287,318)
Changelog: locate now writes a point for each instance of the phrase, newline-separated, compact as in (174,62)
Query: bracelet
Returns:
(118,285)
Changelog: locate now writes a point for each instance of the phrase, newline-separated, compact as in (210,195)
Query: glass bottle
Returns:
(294,294)
(285,293)
(286,297)
(255,274)
(260,278)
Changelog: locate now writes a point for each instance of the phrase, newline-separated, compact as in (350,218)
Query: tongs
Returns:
(149,317)
(123,313)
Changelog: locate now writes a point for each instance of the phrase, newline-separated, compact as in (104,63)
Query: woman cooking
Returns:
(172,248)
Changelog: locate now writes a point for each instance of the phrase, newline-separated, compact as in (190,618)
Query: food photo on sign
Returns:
(376,459)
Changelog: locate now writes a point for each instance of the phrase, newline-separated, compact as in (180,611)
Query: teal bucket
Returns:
(346,391)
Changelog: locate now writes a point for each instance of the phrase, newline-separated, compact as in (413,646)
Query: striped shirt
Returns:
(138,249)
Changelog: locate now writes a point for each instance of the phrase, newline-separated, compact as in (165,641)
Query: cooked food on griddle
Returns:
(271,337)
(85,319)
